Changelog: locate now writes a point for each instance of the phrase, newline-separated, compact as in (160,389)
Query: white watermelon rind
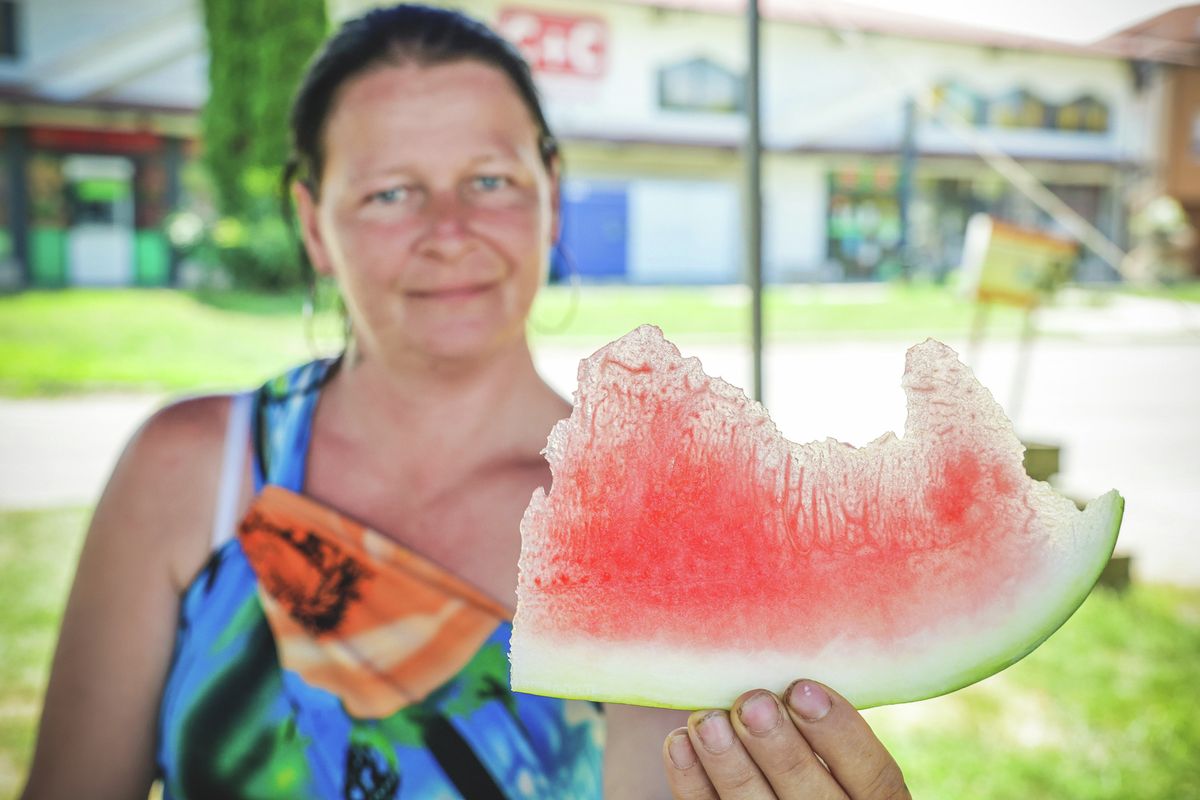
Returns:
(558,667)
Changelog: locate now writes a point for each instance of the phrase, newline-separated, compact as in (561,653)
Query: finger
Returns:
(781,753)
(685,773)
(845,742)
(729,767)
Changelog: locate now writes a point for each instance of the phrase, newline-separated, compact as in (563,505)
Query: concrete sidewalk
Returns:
(1119,317)
(59,451)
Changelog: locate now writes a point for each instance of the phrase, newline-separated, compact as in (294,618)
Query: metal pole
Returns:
(1021,373)
(904,185)
(753,226)
(17,156)
(173,161)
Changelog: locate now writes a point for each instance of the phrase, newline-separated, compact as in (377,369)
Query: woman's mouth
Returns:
(455,292)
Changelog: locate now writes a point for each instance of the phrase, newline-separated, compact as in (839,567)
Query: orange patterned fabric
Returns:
(355,613)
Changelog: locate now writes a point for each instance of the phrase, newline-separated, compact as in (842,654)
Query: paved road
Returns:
(59,452)
(1127,415)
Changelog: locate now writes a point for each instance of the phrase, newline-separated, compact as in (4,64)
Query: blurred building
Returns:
(1173,39)
(98,108)
(873,126)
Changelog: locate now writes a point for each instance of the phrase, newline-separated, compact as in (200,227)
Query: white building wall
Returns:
(820,91)
(794,209)
(683,231)
(832,95)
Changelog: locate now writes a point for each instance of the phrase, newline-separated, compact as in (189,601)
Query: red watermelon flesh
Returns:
(687,552)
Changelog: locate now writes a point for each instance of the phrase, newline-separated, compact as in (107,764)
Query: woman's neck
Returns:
(448,411)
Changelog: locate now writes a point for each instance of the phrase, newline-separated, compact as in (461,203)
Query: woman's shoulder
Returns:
(183,441)
(175,454)
(189,424)
(165,483)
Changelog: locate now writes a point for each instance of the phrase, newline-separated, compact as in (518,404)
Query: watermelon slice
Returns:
(687,552)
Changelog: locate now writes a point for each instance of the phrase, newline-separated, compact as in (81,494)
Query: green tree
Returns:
(257,53)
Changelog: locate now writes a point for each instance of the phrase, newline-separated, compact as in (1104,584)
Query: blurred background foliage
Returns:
(258,50)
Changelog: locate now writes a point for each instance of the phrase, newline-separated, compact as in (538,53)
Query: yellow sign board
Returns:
(1008,264)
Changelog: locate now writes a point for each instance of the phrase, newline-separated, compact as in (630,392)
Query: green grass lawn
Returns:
(143,339)
(1105,709)
(38,551)
(164,340)
(1188,291)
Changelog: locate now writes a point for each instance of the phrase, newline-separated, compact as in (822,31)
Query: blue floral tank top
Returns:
(316,658)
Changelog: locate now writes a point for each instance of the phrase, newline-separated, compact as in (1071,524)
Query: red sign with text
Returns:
(558,44)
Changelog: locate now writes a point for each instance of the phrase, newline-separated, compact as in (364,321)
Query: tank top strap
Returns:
(233,462)
(281,425)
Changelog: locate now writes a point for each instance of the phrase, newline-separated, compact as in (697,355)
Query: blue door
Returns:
(595,223)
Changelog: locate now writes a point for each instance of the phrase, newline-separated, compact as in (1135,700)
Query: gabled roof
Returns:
(1169,37)
(1172,37)
(158,60)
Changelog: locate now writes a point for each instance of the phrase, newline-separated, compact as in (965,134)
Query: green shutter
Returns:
(153,258)
(47,256)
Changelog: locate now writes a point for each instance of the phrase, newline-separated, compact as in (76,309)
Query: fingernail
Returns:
(759,713)
(809,700)
(716,734)
(680,748)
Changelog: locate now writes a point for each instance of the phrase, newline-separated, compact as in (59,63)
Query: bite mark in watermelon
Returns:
(687,552)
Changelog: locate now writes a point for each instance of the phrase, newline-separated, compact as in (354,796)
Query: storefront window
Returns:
(10,46)
(938,224)
(700,84)
(47,200)
(960,100)
(1019,109)
(864,221)
(1085,114)
(1022,109)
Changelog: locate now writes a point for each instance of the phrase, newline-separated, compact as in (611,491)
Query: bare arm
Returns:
(633,768)
(148,536)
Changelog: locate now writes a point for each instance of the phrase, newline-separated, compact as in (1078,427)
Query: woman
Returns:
(348,641)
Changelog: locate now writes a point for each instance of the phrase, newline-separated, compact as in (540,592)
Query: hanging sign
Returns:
(1008,264)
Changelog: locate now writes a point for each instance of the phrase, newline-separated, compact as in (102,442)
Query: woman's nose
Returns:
(448,231)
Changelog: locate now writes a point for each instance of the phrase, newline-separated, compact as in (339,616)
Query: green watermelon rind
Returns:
(1098,543)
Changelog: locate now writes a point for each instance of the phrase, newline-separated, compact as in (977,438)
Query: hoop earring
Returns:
(309,314)
(572,300)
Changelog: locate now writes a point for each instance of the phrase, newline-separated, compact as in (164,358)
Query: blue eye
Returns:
(490,183)
(395,194)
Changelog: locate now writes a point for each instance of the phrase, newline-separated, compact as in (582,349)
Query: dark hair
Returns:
(406,33)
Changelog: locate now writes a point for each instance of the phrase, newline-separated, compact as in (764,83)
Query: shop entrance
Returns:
(100,220)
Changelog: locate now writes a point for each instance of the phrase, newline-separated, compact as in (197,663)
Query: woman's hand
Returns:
(811,744)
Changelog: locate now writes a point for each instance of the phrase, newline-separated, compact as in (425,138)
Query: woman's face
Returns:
(435,211)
